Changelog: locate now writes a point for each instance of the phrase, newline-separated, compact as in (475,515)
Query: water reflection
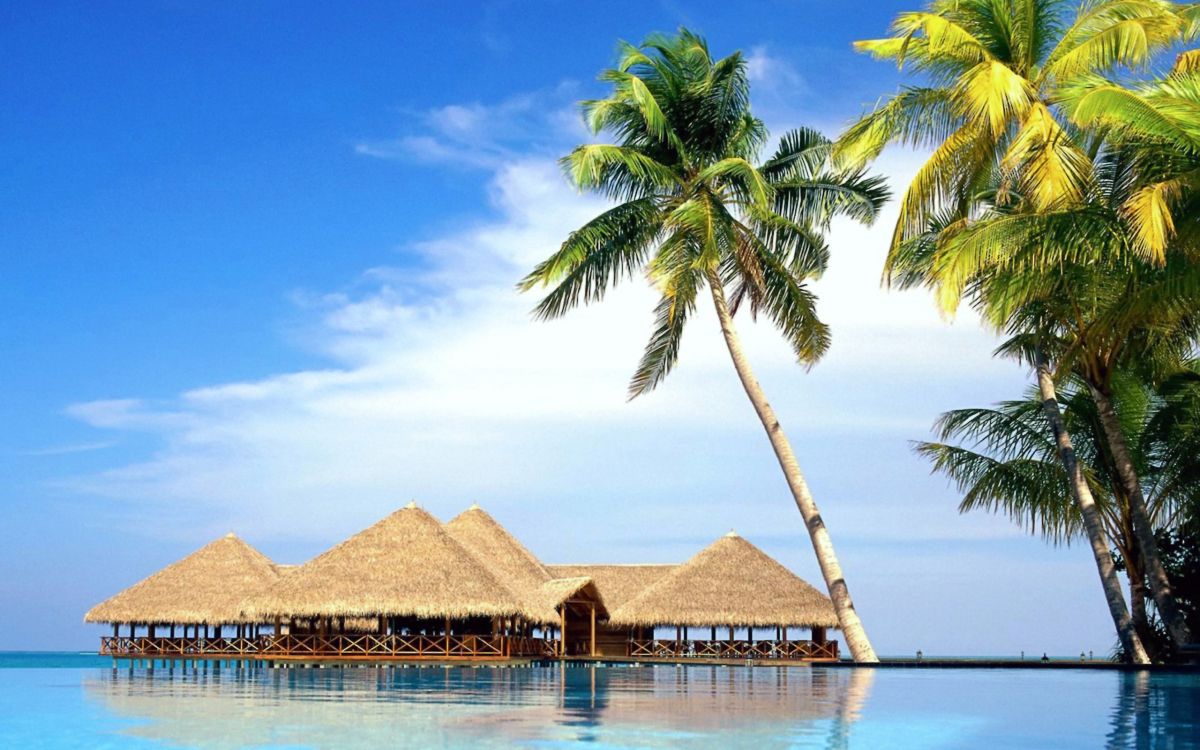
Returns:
(1154,712)
(474,707)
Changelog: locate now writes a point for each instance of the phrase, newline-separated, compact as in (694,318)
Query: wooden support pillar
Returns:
(731,632)
(150,631)
(818,635)
(447,635)
(750,633)
(278,622)
(562,633)
(592,648)
(712,636)
(172,630)
(116,630)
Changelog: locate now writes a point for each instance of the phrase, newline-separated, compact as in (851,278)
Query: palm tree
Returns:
(1072,285)
(1002,461)
(994,75)
(693,212)
(998,73)
(1160,123)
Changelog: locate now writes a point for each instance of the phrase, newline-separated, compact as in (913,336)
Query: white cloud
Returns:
(485,136)
(769,73)
(439,385)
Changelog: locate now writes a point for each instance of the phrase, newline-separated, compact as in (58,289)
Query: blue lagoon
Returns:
(86,705)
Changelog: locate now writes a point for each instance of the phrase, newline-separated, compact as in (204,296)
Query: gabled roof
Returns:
(208,586)
(730,582)
(405,565)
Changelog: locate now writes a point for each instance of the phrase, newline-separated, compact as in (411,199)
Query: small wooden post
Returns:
(593,646)
(562,633)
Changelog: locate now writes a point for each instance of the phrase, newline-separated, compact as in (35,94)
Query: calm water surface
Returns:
(75,701)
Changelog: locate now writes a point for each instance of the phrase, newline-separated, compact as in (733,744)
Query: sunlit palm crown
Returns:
(693,204)
(1160,124)
(1000,80)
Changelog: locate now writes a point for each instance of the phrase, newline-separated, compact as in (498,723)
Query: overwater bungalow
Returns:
(730,584)
(197,599)
(412,588)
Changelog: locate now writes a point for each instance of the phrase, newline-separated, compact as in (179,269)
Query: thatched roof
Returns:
(509,560)
(616,584)
(208,586)
(406,565)
(554,593)
(731,582)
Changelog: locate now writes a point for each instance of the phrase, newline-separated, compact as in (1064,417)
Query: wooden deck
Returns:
(740,650)
(338,647)
(370,647)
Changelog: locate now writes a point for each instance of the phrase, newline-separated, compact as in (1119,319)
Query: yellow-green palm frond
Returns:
(941,184)
(1149,213)
(943,37)
(916,116)
(1112,33)
(676,304)
(1051,168)
(994,93)
(596,166)
(1187,62)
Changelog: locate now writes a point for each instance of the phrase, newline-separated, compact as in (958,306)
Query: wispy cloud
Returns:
(64,450)
(440,386)
(484,136)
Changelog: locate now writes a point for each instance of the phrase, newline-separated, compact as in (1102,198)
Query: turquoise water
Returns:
(61,701)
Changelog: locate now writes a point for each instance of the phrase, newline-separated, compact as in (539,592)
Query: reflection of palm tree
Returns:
(1130,716)
(849,707)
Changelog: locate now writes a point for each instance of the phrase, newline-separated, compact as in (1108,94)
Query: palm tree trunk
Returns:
(1143,529)
(1092,524)
(850,623)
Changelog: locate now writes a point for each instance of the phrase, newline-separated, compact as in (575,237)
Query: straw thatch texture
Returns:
(559,590)
(406,565)
(731,582)
(207,587)
(616,584)
(509,560)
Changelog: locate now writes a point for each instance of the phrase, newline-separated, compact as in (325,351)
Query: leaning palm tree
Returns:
(695,211)
(1073,287)
(1003,461)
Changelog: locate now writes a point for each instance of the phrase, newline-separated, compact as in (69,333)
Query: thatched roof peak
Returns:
(407,564)
(208,586)
(504,555)
(730,582)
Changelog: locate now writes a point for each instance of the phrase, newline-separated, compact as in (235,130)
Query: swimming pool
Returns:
(62,704)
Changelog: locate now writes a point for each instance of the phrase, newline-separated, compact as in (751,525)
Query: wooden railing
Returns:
(796,650)
(357,646)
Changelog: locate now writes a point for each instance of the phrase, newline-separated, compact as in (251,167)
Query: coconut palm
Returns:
(997,73)
(1070,281)
(994,73)
(1003,461)
(1160,123)
(695,211)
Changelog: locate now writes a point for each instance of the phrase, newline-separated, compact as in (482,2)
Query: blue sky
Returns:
(256,268)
